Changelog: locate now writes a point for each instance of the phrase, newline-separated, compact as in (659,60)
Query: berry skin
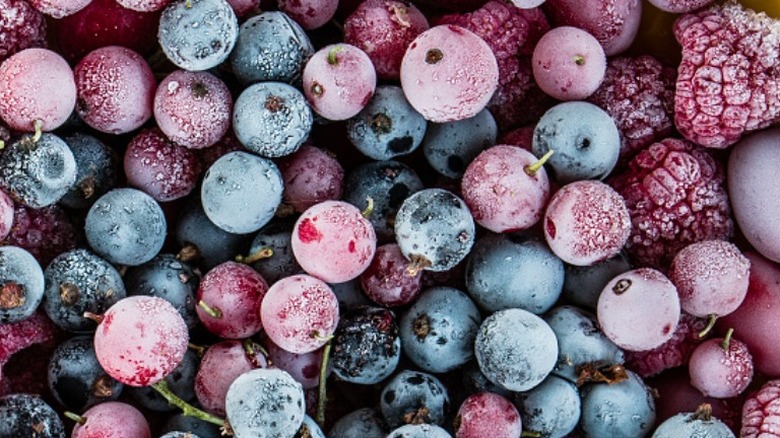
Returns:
(386,281)
(361,423)
(586,222)
(96,171)
(311,175)
(28,416)
(6,214)
(448,73)
(638,92)
(693,424)
(753,163)
(413,397)
(552,408)
(384,29)
(222,363)
(675,195)
(21,284)
(17,336)
(112,419)
(44,232)
(729,62)
(674,352)
(568,63)
(450,147)
(486,414)
(21,27)
(721,368)
(624,409)
(614,23)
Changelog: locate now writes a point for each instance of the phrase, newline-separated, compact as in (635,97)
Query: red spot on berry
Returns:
(550,227)
(308,233)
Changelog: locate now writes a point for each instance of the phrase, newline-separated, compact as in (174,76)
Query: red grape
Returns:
(112,419)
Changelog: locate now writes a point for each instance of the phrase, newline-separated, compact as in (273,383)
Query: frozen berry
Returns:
(45,232)
(569,63)
(673,353)
(675,195)
(721,367)
(448,73)
(761,411)
(729,62)
(21,27)
(614,23)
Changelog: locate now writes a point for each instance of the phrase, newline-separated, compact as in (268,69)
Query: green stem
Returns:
(213,312)
(727,339)
(710,324)
(256,256)
(322,399)
(531,169)
(75,417)
(38,126)
(186,408)
(369,207)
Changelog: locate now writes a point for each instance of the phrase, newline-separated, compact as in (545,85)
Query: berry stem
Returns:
(186,408)
(727,339)
(710,324)
(530,434)
(75,417)
(579,59)
(2,145)
(322,397)
(703,412)
(531,169)
(38,126)
(262,253)
(333,54)
(251,348)
(417,264)
(188,253)
(200,350)
(369,207)
(93,316)
(213,312)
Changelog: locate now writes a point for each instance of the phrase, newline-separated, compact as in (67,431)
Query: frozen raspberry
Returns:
(761,412)
(44,232)
(511,33)
(639,94)
(21,27)
(20,335)
(729,78)
(675,194)
(672,353)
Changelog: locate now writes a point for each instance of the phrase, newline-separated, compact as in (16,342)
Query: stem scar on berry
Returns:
(11,295)
(621,286)
(317,89)
(579,59)
(433,56)
(69,294)
(369,207)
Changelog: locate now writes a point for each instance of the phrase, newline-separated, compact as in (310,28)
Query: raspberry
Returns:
(729,78)
(511,33)
(672,353)
(44,232)
(675,195)
(20,335)
(639,94)
(761,412)
(21,27)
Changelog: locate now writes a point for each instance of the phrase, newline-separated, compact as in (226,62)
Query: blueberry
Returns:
(585,140)
(693,424)
(414,397)
(76,378)
(419,431)
(309,429)
(551,409)
(506,354)
(388,184)
(126,226)
(241,191)
(514,271)
(21,284)
(580,342)
(198,34)
(438,330)
(623,409)
(272,119)
(388,126)
(79,281)
(270,47)
(450,147)
(583,284)
(213,244)
(362,423)
(37,173)
(96,169)
(275,237)
(28,416)
(193,425)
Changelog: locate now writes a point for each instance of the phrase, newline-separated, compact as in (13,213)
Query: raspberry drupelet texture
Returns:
(729,78)
(511,33)
(638,92)
(761,412)
(44,232)
(675,195)
(19,335)
(672,353)
(21,27)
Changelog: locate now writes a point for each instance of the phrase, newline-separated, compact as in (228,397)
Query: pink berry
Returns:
(229,299)
(21,27)
(115,89)
(721,369)
(310,14)
(44,232)
(339,80)
(755,320)
(17,336)
(112,419)
(680,6)
(300,313)
(752,167)
(333,241)
(673,353)
(569,63)
(721,77)
(387,280)
(487,415)
(503,191)
(586,222)
(614,23)
(448,73)
(675,195)
(384,29)
(36,85)
(711,277)
(623,313)
(59,8)
(140,340)
(6,214)
(144,5)
(303,367)
(219,367)
(311,176)
(193,108)
(159,167)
